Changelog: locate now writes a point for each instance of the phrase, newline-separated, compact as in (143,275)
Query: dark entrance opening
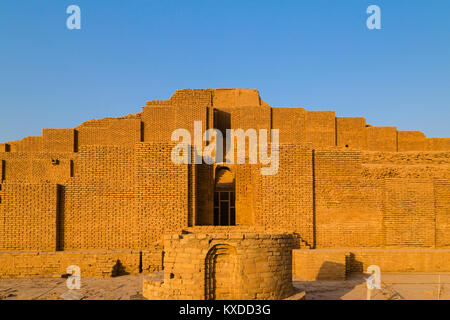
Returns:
(224,208)
(224,198)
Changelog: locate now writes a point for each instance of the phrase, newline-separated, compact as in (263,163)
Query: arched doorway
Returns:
(224,198)
(221,270)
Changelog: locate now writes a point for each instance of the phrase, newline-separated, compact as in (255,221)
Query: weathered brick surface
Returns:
(92,263)
(224,266)
(27,144)
(99,209)
(399,260)
(336,264)
(125,131)
(411,141)
(343,217)
(442,205)
(285,201)
(438,144)
(36,167)
(409,219)
(381,138)
(321,128)
(292,124)
(28,215)
(110,184)
(323,264)
(351,132)
(58,140)
(162,194)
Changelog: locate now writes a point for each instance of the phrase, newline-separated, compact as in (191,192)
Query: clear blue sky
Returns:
(313,54)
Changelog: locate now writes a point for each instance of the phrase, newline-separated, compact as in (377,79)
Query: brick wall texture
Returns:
(218,266)
(337,264)
(110,184)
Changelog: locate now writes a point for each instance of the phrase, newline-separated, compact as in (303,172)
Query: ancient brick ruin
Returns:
(105,194)
(224,266)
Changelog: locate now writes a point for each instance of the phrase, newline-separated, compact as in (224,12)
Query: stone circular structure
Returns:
(222,266)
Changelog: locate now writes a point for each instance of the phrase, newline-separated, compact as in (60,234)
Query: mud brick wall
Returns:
(186,115)
(316,265)
(28,144)
(99,201)
(414,201)
(125,132)
(382,138)
(225,98)
(442,203)
(398,260)
(411,141)
(285,200)
(389,171)
(162,191)
(369,216)
(241,109)
(409,219)
(205,194)
(151,259)
(250,117)
(321,128)
(381,173)
(2,170)
(247,182)
(159,123)
(342,219)
(292,124)
(422,158)
(351,132)
(224,266)
(438,144)
(94,263)
(33,167)
(92,136)
(161,118)
(28,215)
(118,189)
(118,132)
(188,97)
(336,264)
(58,140)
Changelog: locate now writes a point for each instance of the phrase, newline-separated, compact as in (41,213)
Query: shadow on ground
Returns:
(334,289)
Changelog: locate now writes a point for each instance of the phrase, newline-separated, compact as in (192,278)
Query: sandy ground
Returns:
(394,287)
(117,288)
(406,286)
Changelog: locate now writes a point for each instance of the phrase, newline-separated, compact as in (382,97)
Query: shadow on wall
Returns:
(352,265)
(118,269)
(331,271)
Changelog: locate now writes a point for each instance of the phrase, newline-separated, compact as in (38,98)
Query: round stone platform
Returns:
(224,266)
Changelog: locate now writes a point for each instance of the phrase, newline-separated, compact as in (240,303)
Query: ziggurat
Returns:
(350,194)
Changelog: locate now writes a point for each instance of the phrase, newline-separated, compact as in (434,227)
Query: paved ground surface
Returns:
(118,288)
(419,286)
(395,287)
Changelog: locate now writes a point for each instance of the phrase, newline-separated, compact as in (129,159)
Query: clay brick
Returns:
(321,128)
(381,138)
(110,185)
(411,141)
(351,132)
